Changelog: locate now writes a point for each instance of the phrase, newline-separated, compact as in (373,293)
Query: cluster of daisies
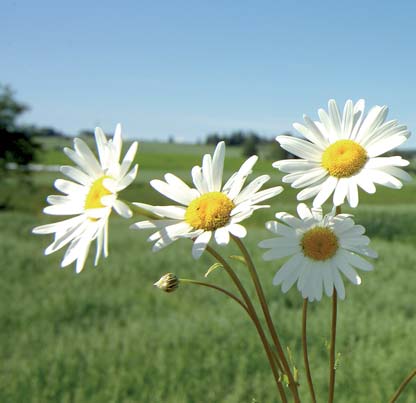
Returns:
(340,153)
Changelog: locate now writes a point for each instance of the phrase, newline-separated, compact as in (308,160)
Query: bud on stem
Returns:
(168,282)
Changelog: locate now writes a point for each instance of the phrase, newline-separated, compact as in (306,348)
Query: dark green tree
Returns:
(250,146)
(16,145)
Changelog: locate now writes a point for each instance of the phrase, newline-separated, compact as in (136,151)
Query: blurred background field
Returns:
(108,335)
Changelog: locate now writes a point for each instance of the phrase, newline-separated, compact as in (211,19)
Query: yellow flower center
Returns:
(344,158)
(210,211)
(319,243)
(96,192)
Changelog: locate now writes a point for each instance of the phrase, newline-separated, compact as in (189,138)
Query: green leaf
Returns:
(215,266)
(285,379)
(239,259)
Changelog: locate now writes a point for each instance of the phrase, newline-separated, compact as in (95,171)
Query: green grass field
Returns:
(108,335)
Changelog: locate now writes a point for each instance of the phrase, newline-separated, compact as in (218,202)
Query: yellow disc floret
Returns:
(96,192)
(344,158)
(319,243)
(210,211)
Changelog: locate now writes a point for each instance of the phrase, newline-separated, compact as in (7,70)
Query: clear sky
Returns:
(187,68)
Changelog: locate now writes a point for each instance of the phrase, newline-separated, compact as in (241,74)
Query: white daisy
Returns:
(343,153)
(90,197)
(320,248)
(209,208)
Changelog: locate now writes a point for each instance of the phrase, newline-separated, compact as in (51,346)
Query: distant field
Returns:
(107,335)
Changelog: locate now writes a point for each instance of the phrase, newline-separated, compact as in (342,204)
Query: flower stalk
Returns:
(332,368)
(305,351)
(269,321)
(254,317)
(402,386)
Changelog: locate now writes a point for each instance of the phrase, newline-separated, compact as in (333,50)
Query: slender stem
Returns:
(253,315)
(331,389)
(269,321)
(277,360)
(332,348)
(305,351)
(402,386)
(215,287)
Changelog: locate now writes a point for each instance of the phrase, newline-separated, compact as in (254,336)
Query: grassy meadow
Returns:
(108,335)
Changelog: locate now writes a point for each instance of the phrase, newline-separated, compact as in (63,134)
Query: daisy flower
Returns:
(320,248)
(341,153)
(209,208)
(90,197)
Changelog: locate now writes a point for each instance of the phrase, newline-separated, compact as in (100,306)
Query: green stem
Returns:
(266,312)
(331,389)
(332,348)
(402,386)
(305,351)
(253,315)
(215,287)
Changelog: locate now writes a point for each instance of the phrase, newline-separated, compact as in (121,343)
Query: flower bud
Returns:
(168,283)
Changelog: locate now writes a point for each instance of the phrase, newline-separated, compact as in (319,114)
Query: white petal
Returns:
(398,173)
(288,219)
(280,229)
(295,165)
(347,119)
(385,145)
(273,254)
(218,166)
(359,262)
(237,230)
(76,174)
(69,187)
(334,116)
(64,209)
(308,192)
(263,195)
(181,185)
(352,194)
(222,236)
(327,279)
(122,209)
(127,179)
(291,267)
(290,279)
(365,183)
(64,238)
(326,189)
(101,142)
(207,172)
(300,148)
(341,191)
(348,271)
(308,178)
(241,177)
(303,211)
(338,284)
(200,244)
(128,158)
(99,247)
(383,178)
(86,154)
(117,142)
(375,117)
(198,180)
(251,188)
(58,226)
(152,224)
(175,212)
(311,132)
(172,192)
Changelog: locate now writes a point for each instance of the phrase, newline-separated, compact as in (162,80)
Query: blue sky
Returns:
(187,68)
